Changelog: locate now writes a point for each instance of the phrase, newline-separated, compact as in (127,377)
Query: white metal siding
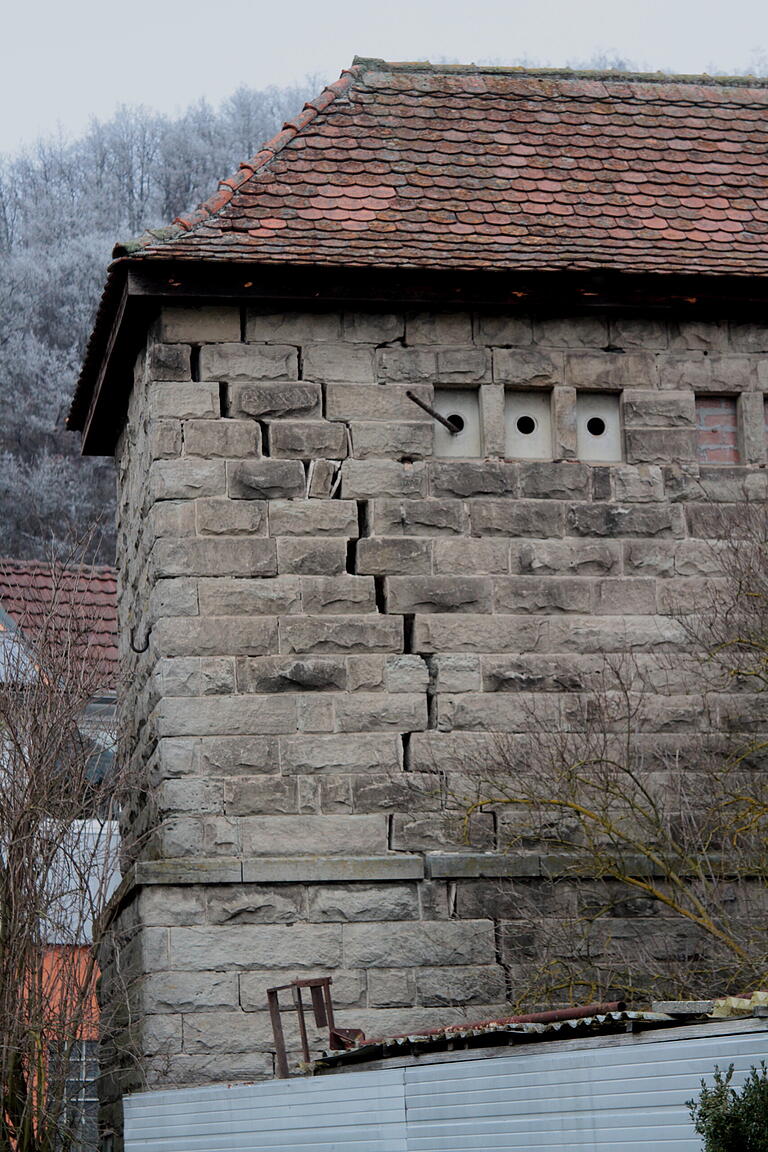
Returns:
(629,1098)
(624,1097)
(360,1112)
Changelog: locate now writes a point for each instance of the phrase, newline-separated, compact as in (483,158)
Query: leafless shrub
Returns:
(643,794)
(60,790)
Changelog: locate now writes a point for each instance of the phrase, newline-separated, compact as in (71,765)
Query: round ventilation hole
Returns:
(526,425)
(596,426)
(456,422)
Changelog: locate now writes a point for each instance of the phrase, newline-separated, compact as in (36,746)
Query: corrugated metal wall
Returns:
(627,1098)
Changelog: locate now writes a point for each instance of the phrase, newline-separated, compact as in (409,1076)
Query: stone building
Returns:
(328,598)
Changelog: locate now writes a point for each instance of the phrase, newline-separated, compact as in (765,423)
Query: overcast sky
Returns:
(65,61)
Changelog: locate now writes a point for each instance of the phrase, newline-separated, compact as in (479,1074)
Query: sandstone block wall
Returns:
(331,619)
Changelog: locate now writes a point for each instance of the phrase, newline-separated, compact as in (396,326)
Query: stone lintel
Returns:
(311,869)
(463,865)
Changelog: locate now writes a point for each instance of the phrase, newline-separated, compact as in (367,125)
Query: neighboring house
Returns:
(328,599)
(35,599)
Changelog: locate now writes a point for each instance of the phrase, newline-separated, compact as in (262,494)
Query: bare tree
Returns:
(643,790)
(59,791)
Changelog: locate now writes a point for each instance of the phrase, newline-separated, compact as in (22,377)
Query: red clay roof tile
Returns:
(31,592)
(441,167)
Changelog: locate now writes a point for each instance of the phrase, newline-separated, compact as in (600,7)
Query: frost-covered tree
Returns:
(63,205)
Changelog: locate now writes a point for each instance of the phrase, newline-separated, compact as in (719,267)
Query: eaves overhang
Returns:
(136,290)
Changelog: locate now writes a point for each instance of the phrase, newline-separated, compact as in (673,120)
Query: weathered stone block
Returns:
(184,401)
(199,324)
(366,479)
(173,597)
(394,555)
(566,557)
(406,365)
(710,373)
(195,676)
(324,835)
(237,755)
(238,1032)
(169,361)
(406,673)
(400,438)
(376,402)
(447,633)
(276,400)
(336,753)
(463,365)
(173,518)
(189,991)
(414,832)
(534,595)
(623,520)
(659,445)
(560,481)
(227,716)
(407,945)
(339,362)
(266,479)
(526,368)
(638,332)
(365,673)
(341,634)
(291,327)
(438,328)
(337,594)
(287,674)
(514,330)
(563,423)
(419,518)
(472,556)
(571,332)
(438,594)
(165,439)
(307,439)
(471,985)
(215,636)
(538,519)
(308,555)
(185,479)
(473,478)
(278,596)
(222,438)
(645,409)
(381,712)
(638,597)
(313,518)
(338,903)
(266,794)
(611,370)
(373,327)
(638,483)
(245,363)
(222,517)
(225,556)
(391,987)
(456,672)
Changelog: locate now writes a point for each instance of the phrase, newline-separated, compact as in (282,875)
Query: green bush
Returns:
(732,1120)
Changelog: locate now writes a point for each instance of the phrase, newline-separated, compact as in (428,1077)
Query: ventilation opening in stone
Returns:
(456,422)
(526,425)
(596,426)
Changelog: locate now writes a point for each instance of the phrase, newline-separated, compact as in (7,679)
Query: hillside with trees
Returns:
(63,205)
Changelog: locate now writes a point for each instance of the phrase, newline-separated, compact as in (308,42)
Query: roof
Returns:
(430,166)
(489,1036)
(33,592)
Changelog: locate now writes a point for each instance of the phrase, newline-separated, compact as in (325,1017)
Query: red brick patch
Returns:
(717,428)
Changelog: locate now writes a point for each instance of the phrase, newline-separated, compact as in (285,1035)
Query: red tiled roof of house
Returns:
(32,592)
(413,165)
